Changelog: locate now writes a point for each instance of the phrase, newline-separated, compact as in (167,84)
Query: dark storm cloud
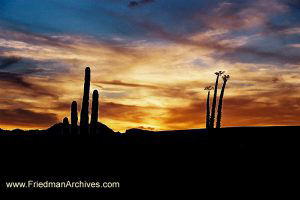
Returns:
(293,3)
(17,81)
(6,62)
(133,4)
(23,117)
(254,55)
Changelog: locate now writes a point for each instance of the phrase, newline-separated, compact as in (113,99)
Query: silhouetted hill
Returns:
(235,137)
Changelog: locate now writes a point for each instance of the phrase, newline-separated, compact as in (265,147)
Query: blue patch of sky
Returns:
(102,18)
(65,16)
(105,19)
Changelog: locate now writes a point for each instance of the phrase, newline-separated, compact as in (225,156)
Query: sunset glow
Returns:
(149,61)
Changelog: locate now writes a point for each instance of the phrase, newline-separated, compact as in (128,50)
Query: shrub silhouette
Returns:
(219,116)
(94,117)
(84,115)
(208,105)
(74,118)
(213,107)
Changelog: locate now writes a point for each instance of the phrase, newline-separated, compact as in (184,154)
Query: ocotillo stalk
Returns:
(213,107)
(94,118)
(208,105)
(225,79)
(66,126)
(74,118)
(84,115)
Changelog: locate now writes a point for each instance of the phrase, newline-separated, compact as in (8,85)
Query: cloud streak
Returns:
(13,80)
(133,4)
(26,118)
(7,62)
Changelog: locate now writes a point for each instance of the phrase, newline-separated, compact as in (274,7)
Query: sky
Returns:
(150,61)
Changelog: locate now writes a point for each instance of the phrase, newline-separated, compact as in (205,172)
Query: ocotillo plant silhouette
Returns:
(213,107)
(84,115)
(74,118)
(66,126)
(219,116)
(208,105)
(94,117)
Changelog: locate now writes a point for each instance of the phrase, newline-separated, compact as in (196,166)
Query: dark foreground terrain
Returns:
(220,160)
(235,137)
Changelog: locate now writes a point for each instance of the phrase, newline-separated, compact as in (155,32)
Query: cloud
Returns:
(26,118)
(125,84)
(254,55)
(182,117)
(248,111)
(133,4)
(294,45)
(17,81)
(293,3)
(16,33)
(146,128)
(128,113)
(233,16)
(240,111)
(223,48)
(5,62)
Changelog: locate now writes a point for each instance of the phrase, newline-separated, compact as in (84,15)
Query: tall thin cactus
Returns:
(66,126)
(94,117)
(208,105)
(74,118)
(219,116)
(84,115)
(213,107)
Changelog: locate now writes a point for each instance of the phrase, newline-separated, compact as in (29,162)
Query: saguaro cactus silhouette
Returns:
(213,107)
(84,115)
(94,117)
(219,116)
(74,118)
(209,88)
(66,126)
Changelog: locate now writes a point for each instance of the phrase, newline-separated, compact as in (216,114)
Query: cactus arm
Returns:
(94,117)
(74,118)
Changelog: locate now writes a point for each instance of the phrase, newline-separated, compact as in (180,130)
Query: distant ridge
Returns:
(230,137)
